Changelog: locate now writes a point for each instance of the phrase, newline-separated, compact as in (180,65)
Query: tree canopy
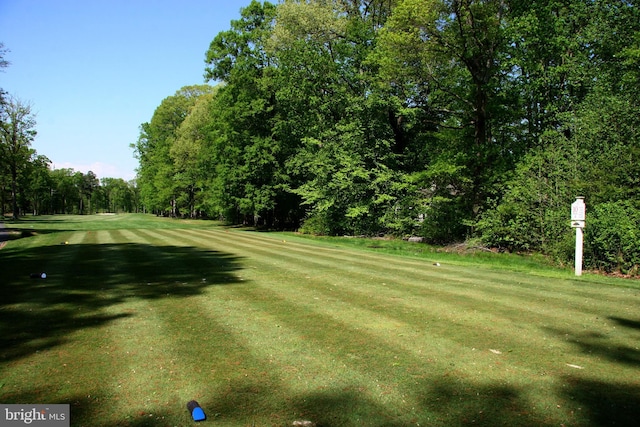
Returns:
(445,119)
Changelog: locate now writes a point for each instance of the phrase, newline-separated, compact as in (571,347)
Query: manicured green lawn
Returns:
(138,315)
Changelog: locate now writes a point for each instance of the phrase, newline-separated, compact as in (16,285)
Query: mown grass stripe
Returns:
(148,373)
(521,335)
(548,308)
(501,296)
(351,321)
(384,268)
(412,327)
(392,369)
(263,331)
(341,310)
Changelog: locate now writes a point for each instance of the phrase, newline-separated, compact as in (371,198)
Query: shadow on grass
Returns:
(86,279)
(96,411)
(597,403)
(250,402)
(447,402)
(597,344)
(9,234)
(455,401)
(344,408)
(633,324)
(444,403)
(83,280)
(606,404)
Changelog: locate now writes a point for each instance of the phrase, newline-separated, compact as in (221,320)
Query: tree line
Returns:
(41,190)
(28,184)
(450,120)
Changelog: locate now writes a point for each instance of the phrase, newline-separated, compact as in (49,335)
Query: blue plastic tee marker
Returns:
(196,411)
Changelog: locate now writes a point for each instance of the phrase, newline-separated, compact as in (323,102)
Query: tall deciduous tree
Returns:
(408,116)
(17,131)
(157,171)
(119,195)
(339,139)
(551,51)
(64,193)
(187,156)
(444,61)
(248,182)
(572,71)
(38,184)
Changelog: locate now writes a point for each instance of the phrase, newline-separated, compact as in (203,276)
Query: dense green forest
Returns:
(448,120)
(40,190)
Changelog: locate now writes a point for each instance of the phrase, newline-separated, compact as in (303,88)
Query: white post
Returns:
(578,251)
(578,217)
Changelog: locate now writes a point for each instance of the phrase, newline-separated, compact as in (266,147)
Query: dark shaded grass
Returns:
(84,279)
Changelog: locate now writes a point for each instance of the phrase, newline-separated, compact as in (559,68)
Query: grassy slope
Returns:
(139,315)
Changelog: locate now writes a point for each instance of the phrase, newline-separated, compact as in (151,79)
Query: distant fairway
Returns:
(138,315)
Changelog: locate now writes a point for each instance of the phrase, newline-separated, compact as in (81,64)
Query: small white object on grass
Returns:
(574,366)
(43,276)
(437,264)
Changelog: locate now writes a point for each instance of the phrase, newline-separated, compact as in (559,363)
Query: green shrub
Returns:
(533,213)
(612,237)
(317,225)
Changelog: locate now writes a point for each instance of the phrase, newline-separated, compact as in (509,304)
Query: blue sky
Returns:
(94,70)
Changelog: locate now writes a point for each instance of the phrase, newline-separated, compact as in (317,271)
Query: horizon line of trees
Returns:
(45,191)
(446,119)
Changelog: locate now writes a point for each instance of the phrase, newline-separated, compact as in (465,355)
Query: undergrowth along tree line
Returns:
(443,119)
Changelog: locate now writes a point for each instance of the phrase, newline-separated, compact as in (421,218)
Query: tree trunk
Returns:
(14,192)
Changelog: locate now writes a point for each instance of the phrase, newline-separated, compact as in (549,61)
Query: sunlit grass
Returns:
(463,253)
(135,320)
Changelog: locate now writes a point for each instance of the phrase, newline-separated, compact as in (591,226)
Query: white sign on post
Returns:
(578,217)
(578,210)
